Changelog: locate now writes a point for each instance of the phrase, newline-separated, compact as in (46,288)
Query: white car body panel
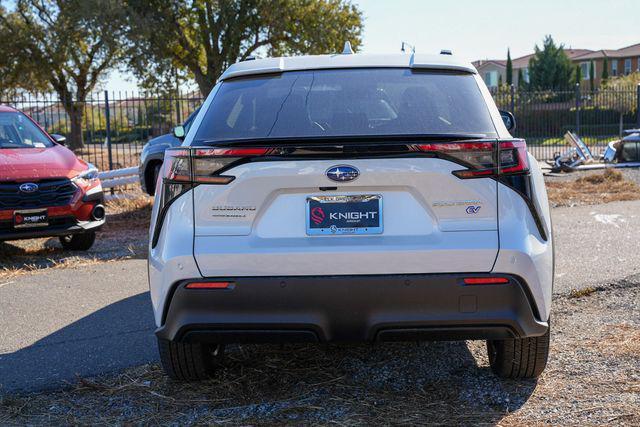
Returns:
(171,260)
(324,62)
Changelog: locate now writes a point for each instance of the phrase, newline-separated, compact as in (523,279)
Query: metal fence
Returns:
(543,117)
(116,125)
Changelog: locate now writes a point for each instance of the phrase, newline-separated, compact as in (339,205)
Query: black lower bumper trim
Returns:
(33,233)
(351,308)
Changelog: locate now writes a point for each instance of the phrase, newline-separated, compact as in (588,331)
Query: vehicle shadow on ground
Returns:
(110,339)
(389,383)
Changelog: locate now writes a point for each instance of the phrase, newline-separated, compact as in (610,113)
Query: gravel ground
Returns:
(593,377)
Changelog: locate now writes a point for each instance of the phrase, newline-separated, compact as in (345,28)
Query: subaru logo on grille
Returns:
(342,173)
(29,187)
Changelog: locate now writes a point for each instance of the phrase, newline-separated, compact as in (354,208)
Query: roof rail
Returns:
(347,49)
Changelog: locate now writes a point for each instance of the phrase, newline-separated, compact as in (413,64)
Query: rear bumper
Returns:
(351,309)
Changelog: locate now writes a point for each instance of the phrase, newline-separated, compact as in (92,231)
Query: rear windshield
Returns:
(346,102)
(17,131)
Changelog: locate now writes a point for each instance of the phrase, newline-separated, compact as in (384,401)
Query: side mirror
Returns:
(508,119)
(179,132)
(60,139)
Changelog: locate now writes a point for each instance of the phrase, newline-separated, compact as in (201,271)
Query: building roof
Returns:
(523,61)
(633,50)
(482,62)
(318,62)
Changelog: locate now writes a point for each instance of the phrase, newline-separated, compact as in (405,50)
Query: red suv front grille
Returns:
(58,192)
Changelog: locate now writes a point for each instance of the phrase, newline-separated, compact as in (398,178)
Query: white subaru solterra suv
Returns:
(351,198)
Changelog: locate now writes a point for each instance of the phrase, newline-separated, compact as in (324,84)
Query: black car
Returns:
(152,156)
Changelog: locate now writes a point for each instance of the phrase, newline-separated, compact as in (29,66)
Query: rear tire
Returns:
(189,361)
(78,242)
(519,357)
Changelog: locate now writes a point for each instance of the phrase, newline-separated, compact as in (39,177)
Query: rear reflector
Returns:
(485,280)
(209,285)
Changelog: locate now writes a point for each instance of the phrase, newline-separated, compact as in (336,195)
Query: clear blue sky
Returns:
(481,29)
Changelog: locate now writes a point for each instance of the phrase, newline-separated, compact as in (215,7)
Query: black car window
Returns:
(347,102)
(18,131)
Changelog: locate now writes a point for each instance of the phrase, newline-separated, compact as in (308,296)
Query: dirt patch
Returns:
(593,377)
(602,187)
(123,236)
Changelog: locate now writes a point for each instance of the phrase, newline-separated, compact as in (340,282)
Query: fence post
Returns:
(638,106)
(578,108)
(107,115)
(513,99)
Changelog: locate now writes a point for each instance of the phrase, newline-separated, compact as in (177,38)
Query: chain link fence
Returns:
(116,125)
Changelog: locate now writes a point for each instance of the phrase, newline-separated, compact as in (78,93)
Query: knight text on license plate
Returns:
(352,214)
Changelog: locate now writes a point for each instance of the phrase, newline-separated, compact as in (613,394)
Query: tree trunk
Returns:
(76,116)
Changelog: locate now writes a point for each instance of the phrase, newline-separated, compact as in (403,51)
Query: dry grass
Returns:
(593,378)
(622,339)
(584,292)
(608,186)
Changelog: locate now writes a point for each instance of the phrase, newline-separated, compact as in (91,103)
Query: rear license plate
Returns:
(30,218)
(357,214)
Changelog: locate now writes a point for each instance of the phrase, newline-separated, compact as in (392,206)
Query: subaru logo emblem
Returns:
(29,187)
(342,173)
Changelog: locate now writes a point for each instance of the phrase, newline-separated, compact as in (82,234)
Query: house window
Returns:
(627,66)
(614,68)
(638,64)
(525,74)
(584,70)
(491,78)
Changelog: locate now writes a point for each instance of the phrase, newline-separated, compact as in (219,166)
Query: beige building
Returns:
(620,62)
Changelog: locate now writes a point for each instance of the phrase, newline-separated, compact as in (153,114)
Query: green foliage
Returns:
(550,68)
(592,73)
(605,70)
(509,68)
(61,45)
(521,83)
(199,39)
(577,75)
(619,93)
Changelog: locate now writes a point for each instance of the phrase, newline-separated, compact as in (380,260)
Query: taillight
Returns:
(205,165)
(479,157)
(513,157)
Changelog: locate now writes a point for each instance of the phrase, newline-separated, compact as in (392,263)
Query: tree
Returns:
(605,70)
(509,68)
(521,82)
(592,72)
(201,38)
(62,45)
(550,68)
(577,75)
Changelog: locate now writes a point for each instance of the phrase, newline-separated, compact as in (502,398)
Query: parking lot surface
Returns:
(96,319)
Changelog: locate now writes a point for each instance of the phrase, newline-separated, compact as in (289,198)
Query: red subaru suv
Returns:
(45,190)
